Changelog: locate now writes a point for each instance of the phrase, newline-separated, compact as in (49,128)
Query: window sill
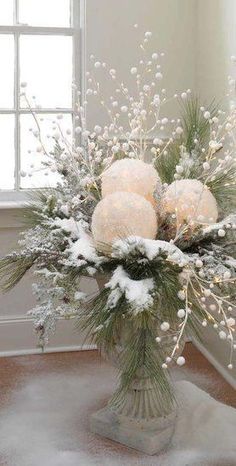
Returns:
(8,205)
(10,199)
(11,203)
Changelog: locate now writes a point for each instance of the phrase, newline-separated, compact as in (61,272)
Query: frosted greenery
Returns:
(154,292)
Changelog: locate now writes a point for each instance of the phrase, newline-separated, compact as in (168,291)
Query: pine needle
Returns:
(12,270)
(194,124)
(165,164)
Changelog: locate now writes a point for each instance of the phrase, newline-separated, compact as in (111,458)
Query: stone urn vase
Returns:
(137,421)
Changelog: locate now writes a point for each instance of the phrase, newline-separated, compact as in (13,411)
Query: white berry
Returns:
(165,326)
(222,335)
(206,166)
(180,361)
(207,115)
(199,263)
(221,233)
(181,313)
(227,274)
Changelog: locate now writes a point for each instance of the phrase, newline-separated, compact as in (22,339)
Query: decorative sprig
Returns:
(186,277)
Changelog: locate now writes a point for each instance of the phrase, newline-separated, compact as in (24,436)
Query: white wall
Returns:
(112,38)
(19,300)
(216,42)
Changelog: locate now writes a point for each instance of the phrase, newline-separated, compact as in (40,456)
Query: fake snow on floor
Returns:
(46,424)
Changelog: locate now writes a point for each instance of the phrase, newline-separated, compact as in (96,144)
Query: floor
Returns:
(46,401)
(15,371)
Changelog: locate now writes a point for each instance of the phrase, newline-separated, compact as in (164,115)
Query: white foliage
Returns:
(68,225)
(138,293)
(151,249)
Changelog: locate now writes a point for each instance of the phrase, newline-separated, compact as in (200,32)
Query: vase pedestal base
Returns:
(148,437)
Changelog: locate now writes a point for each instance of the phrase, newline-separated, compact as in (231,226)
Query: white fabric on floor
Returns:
(46,424)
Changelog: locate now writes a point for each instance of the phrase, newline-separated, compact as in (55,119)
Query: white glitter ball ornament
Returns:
(132,176)
(191,202)
(123,214)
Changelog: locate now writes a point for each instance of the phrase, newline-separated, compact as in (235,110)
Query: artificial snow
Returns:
(69,225)
(214,227)
(231,262)
(46,422)
(151,249)
(82,249)
(137,292)
(79,296)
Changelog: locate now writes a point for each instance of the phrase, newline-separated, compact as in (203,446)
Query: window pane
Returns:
(7,71)
(34,174)
(45,12)
(7,156)
(6,12)
(46,65)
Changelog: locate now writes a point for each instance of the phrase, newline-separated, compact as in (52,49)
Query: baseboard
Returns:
(53,349)
(224,371)
(5,320)
(17,337)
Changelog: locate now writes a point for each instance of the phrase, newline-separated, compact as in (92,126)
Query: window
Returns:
(39,44)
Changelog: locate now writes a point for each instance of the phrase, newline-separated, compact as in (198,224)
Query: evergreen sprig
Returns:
(141,357)
(165,164)
(195,126)
(133,341)
(223,187)
(41,205)
(13,268)
(118,328)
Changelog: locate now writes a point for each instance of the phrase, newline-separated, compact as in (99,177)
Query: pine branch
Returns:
(223,187)
(141,356)
(41,205)
(208,235)
(194,124)
(13,268)
(165,164)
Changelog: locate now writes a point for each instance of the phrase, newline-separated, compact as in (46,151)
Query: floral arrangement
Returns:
(145,205)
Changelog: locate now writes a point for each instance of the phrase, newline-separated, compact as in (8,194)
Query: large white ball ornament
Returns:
(123,214)
(132,176)
(191,202)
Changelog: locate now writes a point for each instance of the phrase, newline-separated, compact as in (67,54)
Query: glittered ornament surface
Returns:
(131,176)
(123,214)
(191,202)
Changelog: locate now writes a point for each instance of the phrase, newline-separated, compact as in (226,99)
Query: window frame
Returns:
(17,196)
